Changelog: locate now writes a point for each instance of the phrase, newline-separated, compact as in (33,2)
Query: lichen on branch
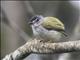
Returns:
(39,47)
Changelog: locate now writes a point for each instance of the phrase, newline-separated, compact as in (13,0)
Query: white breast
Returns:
(42,33)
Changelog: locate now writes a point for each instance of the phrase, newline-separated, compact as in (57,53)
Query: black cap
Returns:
(37,17)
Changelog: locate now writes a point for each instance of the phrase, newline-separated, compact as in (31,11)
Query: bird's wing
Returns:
(52,23)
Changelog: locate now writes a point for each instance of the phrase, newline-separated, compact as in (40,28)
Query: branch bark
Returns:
(36,46)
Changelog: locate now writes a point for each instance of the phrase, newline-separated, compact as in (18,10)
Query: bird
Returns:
(48,29)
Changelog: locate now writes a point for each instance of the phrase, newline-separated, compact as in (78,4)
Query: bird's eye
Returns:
(37,20)
(33,18)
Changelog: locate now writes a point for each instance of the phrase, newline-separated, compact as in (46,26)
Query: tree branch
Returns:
(36,46)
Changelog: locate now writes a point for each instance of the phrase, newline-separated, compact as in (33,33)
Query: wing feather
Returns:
(52,23)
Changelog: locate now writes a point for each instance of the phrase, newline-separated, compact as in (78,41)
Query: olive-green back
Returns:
(52,23)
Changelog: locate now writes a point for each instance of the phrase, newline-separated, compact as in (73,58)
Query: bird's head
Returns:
(36,20)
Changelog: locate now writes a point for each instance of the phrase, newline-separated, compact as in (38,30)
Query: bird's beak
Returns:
(30,23)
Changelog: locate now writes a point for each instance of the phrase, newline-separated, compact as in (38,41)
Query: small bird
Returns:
(48,29)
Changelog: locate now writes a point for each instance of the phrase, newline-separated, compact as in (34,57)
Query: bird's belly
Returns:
(48,36)
(52,36)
